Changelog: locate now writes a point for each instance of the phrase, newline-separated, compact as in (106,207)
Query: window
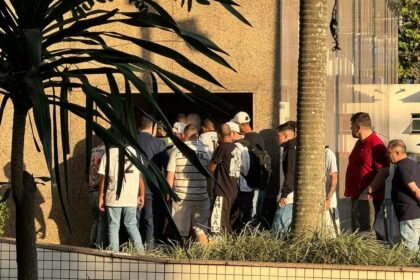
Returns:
(415,123)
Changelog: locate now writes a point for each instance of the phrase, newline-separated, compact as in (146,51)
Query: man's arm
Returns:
(101,193)
(212,166)
(289,177)
(170,177)
(378,180)
(412,186)
(381,165)
(331,189)
(141,192)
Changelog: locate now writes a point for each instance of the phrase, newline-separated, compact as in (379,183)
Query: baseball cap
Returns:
(234,127)
(241,118)
(179,127)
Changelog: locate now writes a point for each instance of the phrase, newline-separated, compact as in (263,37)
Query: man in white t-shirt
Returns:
(209,136)
(331,171)
(131,197)
(241,213)
(193,210)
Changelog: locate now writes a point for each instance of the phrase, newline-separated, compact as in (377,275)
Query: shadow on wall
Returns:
(75,200)
(40,224)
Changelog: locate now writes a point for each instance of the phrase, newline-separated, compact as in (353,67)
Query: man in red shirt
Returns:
(366,173)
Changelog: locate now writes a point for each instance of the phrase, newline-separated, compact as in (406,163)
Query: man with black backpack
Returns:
(241,212)
(260,162)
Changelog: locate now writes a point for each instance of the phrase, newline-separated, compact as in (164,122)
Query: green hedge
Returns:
(264,246)
(4,214)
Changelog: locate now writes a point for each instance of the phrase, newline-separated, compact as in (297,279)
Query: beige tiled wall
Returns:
(57,264)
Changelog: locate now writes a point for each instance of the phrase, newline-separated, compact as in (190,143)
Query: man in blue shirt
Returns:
(151,217)
(405,193)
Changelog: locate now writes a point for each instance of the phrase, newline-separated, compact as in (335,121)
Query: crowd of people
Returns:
(230,198)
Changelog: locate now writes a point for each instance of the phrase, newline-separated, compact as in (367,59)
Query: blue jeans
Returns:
(130,223)
(98,230)
(283,219)
(410,234)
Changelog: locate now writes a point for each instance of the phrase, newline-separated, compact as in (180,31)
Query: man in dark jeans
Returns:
(151,221)
(366,173)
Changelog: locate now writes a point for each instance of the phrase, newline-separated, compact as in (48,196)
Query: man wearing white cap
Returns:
(255,144)
(241,212)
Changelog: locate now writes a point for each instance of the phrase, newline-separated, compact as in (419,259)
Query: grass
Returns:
(263,246)
(4,215)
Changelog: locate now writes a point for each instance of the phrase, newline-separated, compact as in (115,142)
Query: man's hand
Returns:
(282,202)
(366,194)
(101,204)
(417,194)
(327,204)
(140,202)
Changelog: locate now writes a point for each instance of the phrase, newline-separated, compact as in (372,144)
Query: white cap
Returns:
(179,127)
(234,127)
(241,118)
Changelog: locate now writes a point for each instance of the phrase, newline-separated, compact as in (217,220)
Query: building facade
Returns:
(265,85)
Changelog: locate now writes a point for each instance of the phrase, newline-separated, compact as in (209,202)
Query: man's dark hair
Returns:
(290,125)
(181,117)
(207,123)
(145,123)
(224,130)
(361,119)
(190,130)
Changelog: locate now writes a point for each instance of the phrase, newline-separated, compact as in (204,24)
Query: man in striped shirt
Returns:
(192,212)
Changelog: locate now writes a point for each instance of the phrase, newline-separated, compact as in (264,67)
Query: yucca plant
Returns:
(35,76)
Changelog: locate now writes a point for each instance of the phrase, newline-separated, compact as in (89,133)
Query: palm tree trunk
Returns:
(309,201)
(23,188)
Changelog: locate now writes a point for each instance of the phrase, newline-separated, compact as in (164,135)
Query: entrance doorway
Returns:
(171,105)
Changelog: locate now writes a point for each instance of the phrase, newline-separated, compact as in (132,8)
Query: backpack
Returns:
(260,167)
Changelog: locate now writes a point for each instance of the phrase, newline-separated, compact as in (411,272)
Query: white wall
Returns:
(403,101)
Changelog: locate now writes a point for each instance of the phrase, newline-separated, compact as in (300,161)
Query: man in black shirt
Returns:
(151,222)
(254,139)
(286,136)
(405,193)
(225,164)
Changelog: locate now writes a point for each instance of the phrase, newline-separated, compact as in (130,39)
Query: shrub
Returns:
(4,214)
(264,246)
